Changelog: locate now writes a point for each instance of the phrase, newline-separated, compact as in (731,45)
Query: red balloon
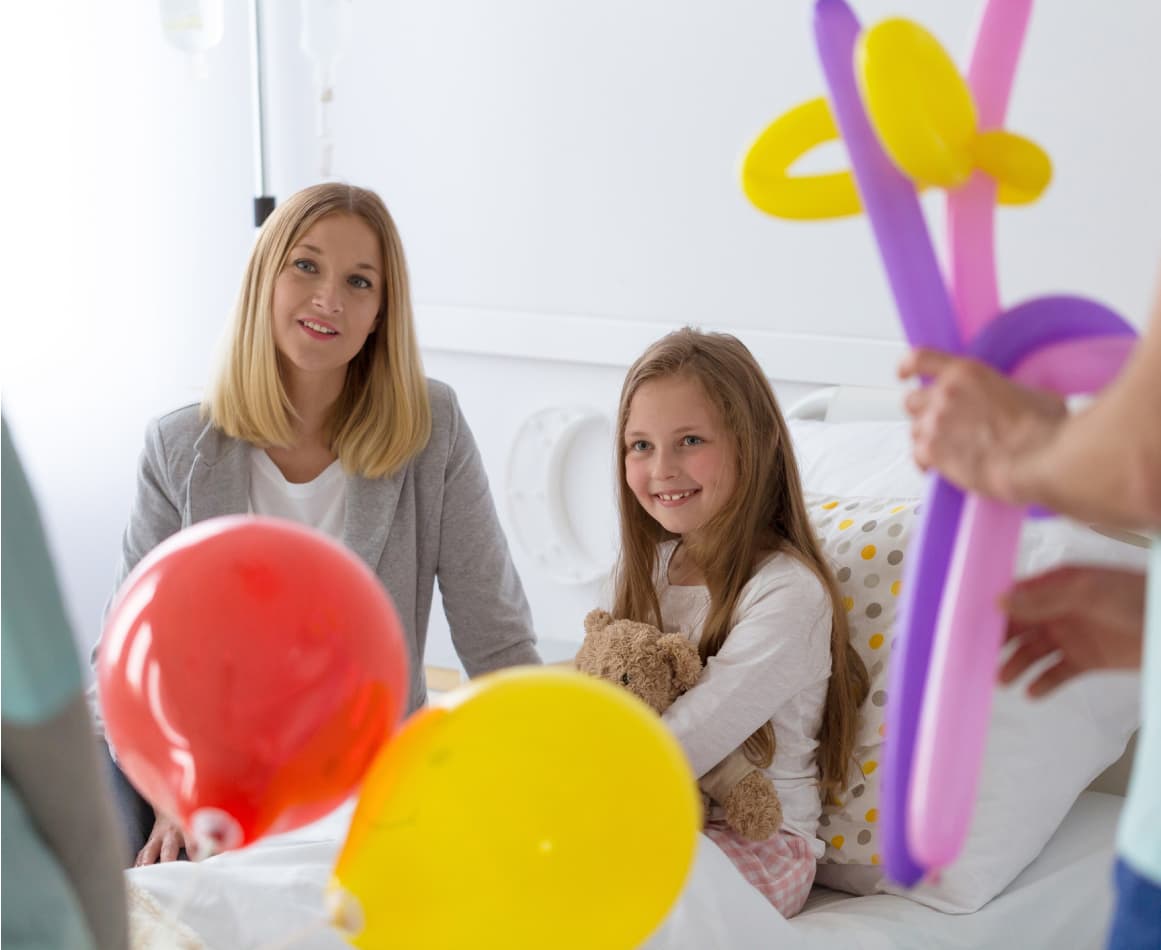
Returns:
(249,670)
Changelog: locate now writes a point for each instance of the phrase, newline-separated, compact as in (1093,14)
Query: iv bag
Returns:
(193,26)
(326,28)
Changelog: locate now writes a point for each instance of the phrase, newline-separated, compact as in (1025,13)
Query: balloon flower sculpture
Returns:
(909,121)
(249,671)
(534,808)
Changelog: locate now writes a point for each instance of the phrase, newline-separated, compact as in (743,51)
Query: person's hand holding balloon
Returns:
(970,422)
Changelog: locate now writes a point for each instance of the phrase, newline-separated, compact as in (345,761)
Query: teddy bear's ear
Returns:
(597,620)
(683,659)
(584,661)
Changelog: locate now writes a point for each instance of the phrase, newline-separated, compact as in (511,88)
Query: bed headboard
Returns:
(850,404)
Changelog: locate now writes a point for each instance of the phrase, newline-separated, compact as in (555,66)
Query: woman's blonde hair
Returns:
(382,417)
(765,514)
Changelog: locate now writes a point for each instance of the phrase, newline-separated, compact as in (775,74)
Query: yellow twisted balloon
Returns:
(925,118)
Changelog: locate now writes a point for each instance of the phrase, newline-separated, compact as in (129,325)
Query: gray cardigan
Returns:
(432,519)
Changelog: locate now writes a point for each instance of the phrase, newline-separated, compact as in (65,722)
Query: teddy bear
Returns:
(658,667)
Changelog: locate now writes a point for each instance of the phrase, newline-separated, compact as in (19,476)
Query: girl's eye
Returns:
(361,282)
(306,266)
(692,440)
(639,446)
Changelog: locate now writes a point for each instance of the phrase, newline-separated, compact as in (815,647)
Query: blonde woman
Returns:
(321,414)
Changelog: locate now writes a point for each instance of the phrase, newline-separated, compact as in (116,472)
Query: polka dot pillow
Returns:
(865,540)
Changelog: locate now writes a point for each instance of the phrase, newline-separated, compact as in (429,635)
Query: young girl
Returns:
(716,545)
(321,414)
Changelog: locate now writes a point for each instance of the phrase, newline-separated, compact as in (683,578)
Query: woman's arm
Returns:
(153,517)
(156,512)
(491,624)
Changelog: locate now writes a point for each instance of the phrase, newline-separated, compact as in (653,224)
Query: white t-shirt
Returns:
(320,503)
(773,667)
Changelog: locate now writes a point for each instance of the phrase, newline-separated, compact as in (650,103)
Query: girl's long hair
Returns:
(766,514)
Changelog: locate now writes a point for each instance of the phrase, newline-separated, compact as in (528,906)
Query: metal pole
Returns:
(263,203)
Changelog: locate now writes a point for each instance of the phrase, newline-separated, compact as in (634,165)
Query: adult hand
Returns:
(1091,618)
(164,844)
(974,425)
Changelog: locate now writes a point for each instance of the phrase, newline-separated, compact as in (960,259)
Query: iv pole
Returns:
(263,203)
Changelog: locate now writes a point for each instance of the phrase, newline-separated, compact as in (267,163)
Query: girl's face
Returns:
(679,458)
(328,296)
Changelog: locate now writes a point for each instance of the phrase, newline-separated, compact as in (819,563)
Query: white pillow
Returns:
(856,459)
(1040,753)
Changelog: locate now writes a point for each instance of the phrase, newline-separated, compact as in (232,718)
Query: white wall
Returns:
(127,223)
(566,166)
(579,156)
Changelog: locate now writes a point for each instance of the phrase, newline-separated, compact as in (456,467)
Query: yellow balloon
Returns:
(917,100)
(538,808)
(765,169)
(1022,168)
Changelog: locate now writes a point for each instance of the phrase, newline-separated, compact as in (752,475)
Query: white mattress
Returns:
(270,895)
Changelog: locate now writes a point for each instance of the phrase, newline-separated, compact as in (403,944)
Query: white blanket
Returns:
(271,896)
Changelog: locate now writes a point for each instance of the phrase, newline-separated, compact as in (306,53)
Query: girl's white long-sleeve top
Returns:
(773,667)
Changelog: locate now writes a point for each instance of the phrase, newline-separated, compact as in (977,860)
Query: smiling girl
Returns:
(717,546)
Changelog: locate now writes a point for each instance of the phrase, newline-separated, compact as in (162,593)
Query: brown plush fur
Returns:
(657,668)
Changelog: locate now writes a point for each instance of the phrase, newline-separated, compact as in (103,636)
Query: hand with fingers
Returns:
(974,424)
(1089,618)
(165,843)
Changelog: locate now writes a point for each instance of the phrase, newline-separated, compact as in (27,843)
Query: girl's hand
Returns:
(975,426)
(1091,617)
(164,844)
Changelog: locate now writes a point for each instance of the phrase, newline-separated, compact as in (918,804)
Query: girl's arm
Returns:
(779,646)
(491,624)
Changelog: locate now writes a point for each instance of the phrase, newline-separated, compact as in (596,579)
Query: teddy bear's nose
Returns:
(625,679)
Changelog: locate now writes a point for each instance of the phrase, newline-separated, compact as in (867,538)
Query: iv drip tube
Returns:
(263,203)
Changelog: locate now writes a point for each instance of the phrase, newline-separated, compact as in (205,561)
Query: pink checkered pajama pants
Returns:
(781,868)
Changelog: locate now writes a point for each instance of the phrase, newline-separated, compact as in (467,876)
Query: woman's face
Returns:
(327,298)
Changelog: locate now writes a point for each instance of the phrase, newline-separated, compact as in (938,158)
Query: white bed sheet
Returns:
(271,896)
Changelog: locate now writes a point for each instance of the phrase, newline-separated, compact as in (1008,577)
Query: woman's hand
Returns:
(1092,618)
(164,844)
(975,426)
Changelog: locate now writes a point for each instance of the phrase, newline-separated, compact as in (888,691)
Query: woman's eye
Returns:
(306,266)
(639,446)
(361,282)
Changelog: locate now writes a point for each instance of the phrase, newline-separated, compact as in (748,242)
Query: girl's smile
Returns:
(674,499)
